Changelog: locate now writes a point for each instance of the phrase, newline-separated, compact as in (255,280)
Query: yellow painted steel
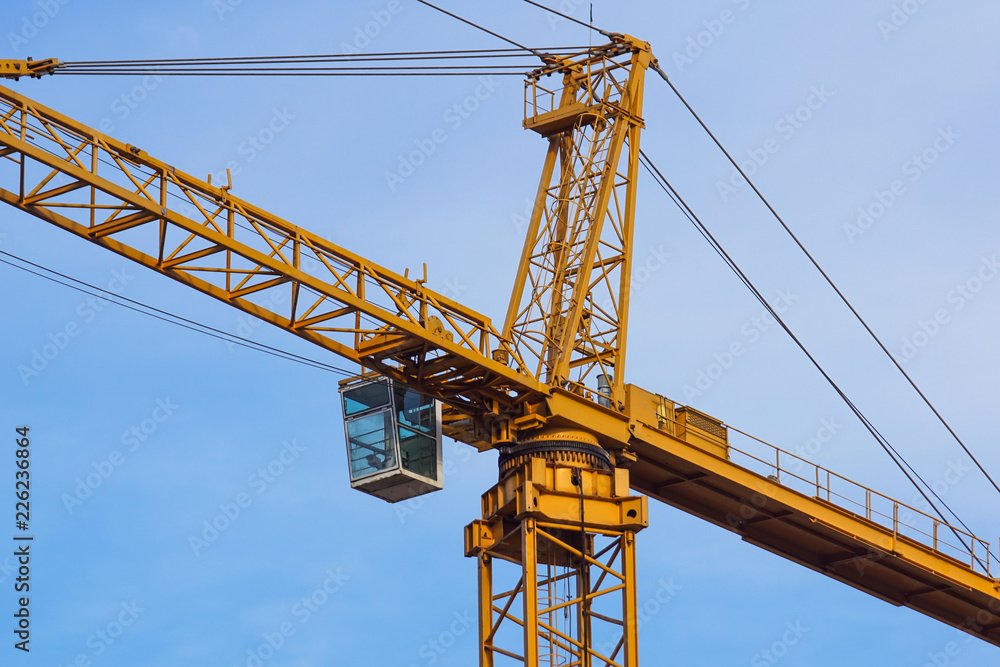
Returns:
(109,192)
(568,311)
(15,69)
(566,328)
(566,536)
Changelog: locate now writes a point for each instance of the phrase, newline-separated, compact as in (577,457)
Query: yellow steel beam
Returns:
(897,554)
(529,592)
(630,605)
(105,191)
(559,524)
(15,69)
(569,303)
(101,190)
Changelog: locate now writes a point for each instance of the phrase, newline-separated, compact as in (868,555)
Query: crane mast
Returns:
(555,542)
(569,307)
(561,519)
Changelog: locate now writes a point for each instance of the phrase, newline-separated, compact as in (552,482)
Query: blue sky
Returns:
(337,577)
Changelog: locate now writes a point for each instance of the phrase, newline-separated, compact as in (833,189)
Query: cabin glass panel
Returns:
(366,397)
(370,444)
(393,439)
(417,426)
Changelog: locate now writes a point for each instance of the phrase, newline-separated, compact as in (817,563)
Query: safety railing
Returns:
(804,476)
(603,80)
(903,520)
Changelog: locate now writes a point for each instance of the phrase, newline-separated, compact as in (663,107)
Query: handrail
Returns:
(903,520)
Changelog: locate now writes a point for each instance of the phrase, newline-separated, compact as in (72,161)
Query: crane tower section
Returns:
(568,311)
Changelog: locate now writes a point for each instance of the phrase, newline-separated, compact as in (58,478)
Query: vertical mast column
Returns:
(556,553)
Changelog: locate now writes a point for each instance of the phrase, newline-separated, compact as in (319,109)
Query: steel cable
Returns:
(896,457)
(829,281)
(166,316)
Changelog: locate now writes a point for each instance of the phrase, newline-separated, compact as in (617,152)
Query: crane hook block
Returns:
(393,438)
(36,69)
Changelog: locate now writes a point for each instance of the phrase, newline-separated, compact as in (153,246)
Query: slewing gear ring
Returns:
(569,448)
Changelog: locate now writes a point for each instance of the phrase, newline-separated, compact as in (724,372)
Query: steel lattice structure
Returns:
(571,450)
(568,313)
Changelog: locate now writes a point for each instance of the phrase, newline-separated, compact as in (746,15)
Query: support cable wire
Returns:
(165,316)
(325,72)
(896,457)
(273,238)
(405,63)
(647,164)
(829,281)
(266,233)
(519,72)
(590,25)
(650,167)
(339,57)
(479,27)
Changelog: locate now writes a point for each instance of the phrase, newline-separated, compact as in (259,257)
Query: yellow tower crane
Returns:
(555,543)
